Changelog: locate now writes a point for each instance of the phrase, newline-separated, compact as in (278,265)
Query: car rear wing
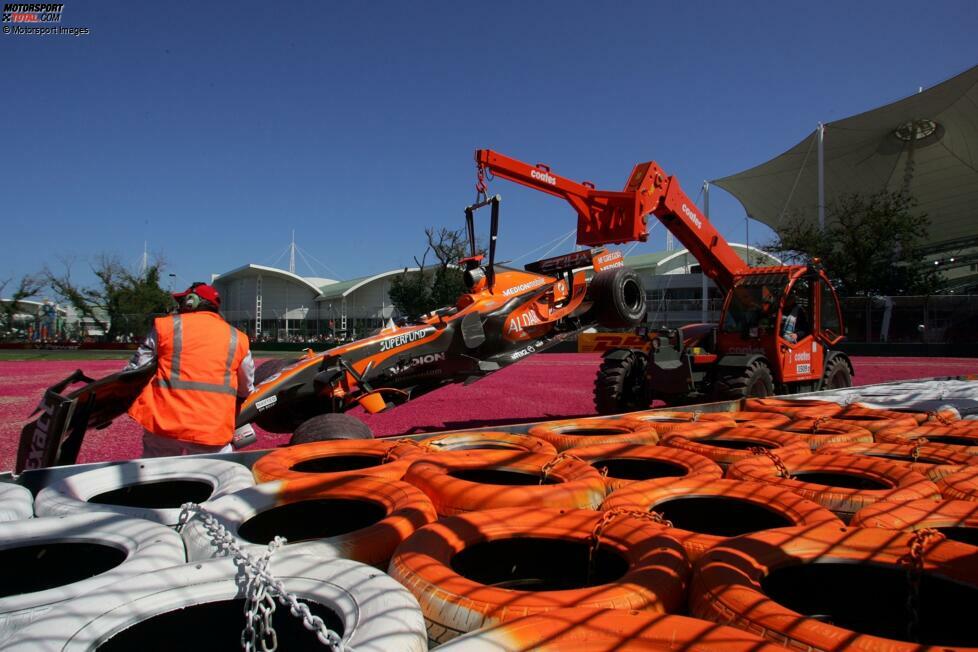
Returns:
(600,259)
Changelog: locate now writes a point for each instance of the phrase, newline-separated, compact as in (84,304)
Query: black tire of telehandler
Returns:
(618,298)
(756,381)
(620,385)
(837,374)
(330,426)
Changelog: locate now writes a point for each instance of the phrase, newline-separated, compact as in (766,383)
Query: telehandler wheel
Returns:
(755,381)
(618,298)
(837,374)
(620,385)
(324,427)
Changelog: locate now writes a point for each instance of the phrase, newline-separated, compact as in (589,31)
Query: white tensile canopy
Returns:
(926,143)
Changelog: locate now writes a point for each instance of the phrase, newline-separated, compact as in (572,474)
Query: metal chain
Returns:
(940,418)
(262,590)
(612,515)
(914,561)
(258,601)
(558,459)
(778,462)
(817,423)
(915,453)
(481,186)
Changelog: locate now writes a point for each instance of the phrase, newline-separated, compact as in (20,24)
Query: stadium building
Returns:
(272,304)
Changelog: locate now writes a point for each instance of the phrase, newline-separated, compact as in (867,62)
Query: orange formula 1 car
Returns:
(505,315)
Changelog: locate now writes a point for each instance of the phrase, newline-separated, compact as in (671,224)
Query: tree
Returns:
(867,247)
(123,302)
(417,293)
(449,248)
(28,287)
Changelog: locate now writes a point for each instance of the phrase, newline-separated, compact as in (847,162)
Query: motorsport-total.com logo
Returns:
(15,12)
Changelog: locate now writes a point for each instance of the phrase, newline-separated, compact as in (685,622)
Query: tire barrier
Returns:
(16,502)
(944,415)
(704,513)
(334,459)
(955,519)
(907,452)
(201,606)
(463,441)
(822,431)
(572,433)
(963,433)
(734,444)
(932,460)
(935,472)
(358,518)
(478,569)
(747,419)
(796,409)
(843,484)
(608,630)
(475,480)
(855,582)
(875,420)
(153,489)
(47,561)
(667,422)
(624,464)
(961,485)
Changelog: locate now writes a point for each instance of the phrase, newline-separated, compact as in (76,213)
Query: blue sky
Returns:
(212,130)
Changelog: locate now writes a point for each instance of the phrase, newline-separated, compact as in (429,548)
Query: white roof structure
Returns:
(926,143)
(313,283)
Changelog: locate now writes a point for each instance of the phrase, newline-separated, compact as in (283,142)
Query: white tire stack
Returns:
(71,495)
(94,552)
(16,502)
(374,612)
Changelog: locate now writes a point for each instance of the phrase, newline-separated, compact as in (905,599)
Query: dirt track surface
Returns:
(550,386)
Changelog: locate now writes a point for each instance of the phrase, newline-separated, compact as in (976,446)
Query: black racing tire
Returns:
(330,426)
(837,374)
(620,385)
(618,298)
(755,381)
(269,368)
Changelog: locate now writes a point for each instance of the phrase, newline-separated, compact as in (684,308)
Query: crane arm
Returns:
(612,217)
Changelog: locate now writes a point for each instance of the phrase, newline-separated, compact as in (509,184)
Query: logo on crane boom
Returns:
(692,216)
(540,175)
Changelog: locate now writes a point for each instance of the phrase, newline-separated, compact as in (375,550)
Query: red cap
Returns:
(202,290)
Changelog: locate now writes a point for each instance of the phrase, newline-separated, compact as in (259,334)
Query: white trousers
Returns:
(156,446)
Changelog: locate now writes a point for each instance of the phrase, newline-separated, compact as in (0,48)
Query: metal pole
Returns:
(747,237)
(821,176)
(705,292)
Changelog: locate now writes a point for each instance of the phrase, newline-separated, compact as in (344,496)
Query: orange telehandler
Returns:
(778,329)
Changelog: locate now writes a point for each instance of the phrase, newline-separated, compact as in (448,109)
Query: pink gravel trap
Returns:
(548,386)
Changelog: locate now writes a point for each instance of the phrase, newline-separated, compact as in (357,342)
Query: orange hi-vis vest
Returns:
(192,397)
